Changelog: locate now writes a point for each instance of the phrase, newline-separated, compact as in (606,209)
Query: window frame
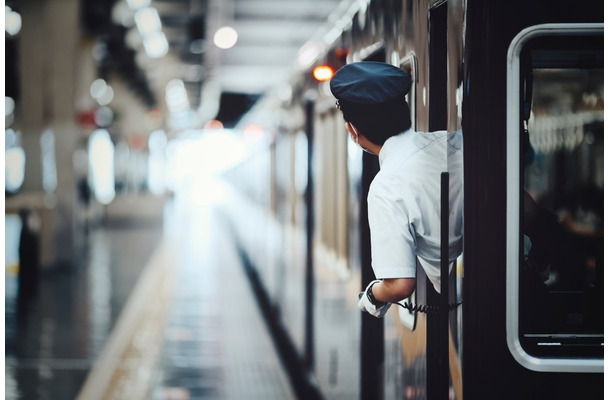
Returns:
(513,201)
(409,65)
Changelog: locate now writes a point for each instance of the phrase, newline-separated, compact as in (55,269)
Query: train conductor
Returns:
(404,197)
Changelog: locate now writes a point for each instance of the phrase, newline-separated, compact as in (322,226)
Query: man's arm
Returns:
(393,290)
(380,294)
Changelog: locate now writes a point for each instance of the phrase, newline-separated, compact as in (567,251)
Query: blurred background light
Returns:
(14,169)
(308,53)
(155,45)
(14,161)
(197,157)
(101,166)
(253,133)
(12,21)
(9,106)
(322,73)
(107,97)
(136,4)
(9,111)
(176,97)
(197,46)
(148,21)
(122,14)
(103,116)
(49,167)
(97,88)
(11,138)
(101,92)
(213,125)
(157,181)
(157,141)
(225,37)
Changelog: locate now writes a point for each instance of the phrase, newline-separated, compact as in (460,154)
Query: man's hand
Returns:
(367,302)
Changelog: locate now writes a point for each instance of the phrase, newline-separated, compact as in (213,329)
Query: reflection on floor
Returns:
(108,323)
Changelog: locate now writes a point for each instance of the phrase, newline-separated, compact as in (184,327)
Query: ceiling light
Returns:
(156,45)
(135,4)
(122,14)
(106,97)
(225,37)
(176,96)
(147,20)
(98,88)
(12,21)
(308,53)
(9,106)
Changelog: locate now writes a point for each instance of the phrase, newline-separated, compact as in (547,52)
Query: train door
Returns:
(555,189)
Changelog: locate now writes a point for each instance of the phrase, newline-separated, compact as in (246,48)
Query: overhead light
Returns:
(122,14)
(101,165)
(148,21)
(156,45)
(308,53)
(101,92)
(136,4)
(14,169)
(107,97)
(323,73)
(9,106)
(176,97)
(225,37)
(12,21)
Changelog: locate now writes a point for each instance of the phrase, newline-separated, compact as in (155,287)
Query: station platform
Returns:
(161,308)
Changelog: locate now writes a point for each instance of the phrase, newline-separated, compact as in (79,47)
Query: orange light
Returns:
(323,73)
(254,132)
(213,125)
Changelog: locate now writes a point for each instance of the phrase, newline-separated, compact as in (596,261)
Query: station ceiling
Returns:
(270,35)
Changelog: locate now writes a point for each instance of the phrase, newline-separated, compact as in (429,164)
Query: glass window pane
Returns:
(561,288)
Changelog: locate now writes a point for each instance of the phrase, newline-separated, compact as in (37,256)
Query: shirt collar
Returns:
(388,149)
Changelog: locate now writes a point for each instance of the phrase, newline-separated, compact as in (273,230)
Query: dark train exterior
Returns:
(522,316)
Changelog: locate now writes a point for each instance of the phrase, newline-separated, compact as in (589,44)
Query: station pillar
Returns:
(47,49)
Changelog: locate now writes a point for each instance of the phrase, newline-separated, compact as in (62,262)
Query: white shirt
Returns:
(404,204)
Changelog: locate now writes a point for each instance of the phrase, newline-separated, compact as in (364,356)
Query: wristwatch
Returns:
(372,299)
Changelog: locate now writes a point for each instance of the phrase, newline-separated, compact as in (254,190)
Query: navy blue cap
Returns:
(370,82)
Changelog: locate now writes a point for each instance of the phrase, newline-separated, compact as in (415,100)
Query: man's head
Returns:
(371,96)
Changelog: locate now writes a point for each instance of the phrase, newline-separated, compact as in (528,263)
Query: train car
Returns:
(521,314)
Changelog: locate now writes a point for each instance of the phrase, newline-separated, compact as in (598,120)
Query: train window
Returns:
(555,193)
(332,199)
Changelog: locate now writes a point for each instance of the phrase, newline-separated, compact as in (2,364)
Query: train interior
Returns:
(562,282)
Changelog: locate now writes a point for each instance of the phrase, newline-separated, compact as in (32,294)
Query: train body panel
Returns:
(488,37)
(459,53)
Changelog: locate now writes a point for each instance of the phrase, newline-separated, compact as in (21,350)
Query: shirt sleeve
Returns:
(392,237)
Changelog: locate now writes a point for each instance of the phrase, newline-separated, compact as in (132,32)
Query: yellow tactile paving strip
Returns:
(126,367)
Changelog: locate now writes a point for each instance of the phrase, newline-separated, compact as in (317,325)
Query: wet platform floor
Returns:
(157,310)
